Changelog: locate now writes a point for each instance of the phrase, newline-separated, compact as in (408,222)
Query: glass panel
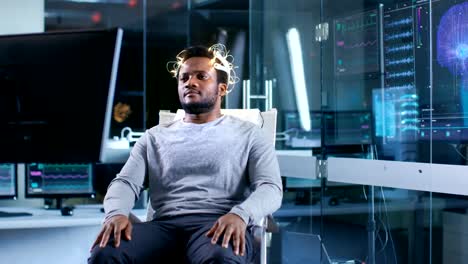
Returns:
(449,136)
(225,22)
(351,69)
(285,59)
(449,102)
(449,220)
(285,74)
(377,78)
(167,26)
(298,240)
(129,106)
(397,220)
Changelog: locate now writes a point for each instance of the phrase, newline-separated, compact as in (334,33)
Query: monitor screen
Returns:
(420,113)
(59,180)
(356,44)
(341,128)
(56,95)
(8,187)
(298,137)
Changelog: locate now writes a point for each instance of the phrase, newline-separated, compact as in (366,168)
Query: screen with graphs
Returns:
(59,179)
(407,64)
(421,110)
(414,110)
(450,78)
(356,44)
(406,79)
(7,180)
(340,128)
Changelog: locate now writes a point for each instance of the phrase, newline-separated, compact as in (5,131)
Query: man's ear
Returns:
(222,89)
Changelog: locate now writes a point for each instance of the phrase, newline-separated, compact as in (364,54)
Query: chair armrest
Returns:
(268,223)
(271,225)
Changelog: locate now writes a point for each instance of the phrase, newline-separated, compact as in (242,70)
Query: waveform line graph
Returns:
(399,35)
(401,22)
(400,48)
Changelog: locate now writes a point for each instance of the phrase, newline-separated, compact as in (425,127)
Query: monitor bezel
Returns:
(27,194)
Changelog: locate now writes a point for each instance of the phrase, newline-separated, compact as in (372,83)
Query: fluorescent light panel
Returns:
(297,69)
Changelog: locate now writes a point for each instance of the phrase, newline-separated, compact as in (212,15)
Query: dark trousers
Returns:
(179,239)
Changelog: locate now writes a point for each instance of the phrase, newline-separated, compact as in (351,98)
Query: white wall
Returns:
(21,16)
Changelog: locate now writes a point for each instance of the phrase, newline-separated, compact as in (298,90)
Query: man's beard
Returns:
(201,107)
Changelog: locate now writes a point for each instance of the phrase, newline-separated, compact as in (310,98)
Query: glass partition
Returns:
(371,98)
(376,90)
(129,102)
(285,73)
(377,74)
(285,66)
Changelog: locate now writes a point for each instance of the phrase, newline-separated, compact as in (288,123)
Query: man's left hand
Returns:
(232,226)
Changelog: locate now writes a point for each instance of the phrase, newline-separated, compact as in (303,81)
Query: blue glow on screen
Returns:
(452,48)
(452,39)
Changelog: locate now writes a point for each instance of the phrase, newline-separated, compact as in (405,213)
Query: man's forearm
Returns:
(265,200)
(120,198)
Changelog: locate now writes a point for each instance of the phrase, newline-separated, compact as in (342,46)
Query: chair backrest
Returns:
(266,120)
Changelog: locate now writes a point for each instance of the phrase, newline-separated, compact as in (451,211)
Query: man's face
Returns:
(198,89)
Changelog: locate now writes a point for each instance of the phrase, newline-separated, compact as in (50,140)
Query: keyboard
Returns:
(13,214)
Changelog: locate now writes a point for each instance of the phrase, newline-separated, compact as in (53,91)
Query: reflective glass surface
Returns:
(375,90)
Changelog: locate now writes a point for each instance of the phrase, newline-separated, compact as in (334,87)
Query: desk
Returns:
(48,237)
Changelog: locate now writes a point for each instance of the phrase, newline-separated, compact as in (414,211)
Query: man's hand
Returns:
(116,224)
(232,226)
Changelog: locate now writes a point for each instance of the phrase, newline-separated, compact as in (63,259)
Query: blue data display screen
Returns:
(356,44)
(421,110)
(59,178)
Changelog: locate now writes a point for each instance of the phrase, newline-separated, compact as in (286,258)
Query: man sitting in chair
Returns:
(210,177)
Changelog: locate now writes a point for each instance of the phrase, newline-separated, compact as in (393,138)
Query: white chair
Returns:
(267,121)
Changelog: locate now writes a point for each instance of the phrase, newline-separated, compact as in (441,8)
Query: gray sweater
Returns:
(222,166)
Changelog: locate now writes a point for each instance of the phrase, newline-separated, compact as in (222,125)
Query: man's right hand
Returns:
(116,224)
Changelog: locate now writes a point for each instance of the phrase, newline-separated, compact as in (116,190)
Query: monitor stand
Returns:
(53,203)
(64,210)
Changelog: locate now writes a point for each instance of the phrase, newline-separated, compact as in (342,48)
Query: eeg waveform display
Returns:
(356,44)
(400,95)
(59,178)
(7,179)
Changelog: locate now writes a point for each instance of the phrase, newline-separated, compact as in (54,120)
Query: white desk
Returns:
(48,237)
(41,218)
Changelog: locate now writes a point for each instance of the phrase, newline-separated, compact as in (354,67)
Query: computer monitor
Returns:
(342,128)
(57,181)
(56,95)
(8,183)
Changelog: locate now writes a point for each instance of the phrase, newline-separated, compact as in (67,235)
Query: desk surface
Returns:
(82,216)
(88,215)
